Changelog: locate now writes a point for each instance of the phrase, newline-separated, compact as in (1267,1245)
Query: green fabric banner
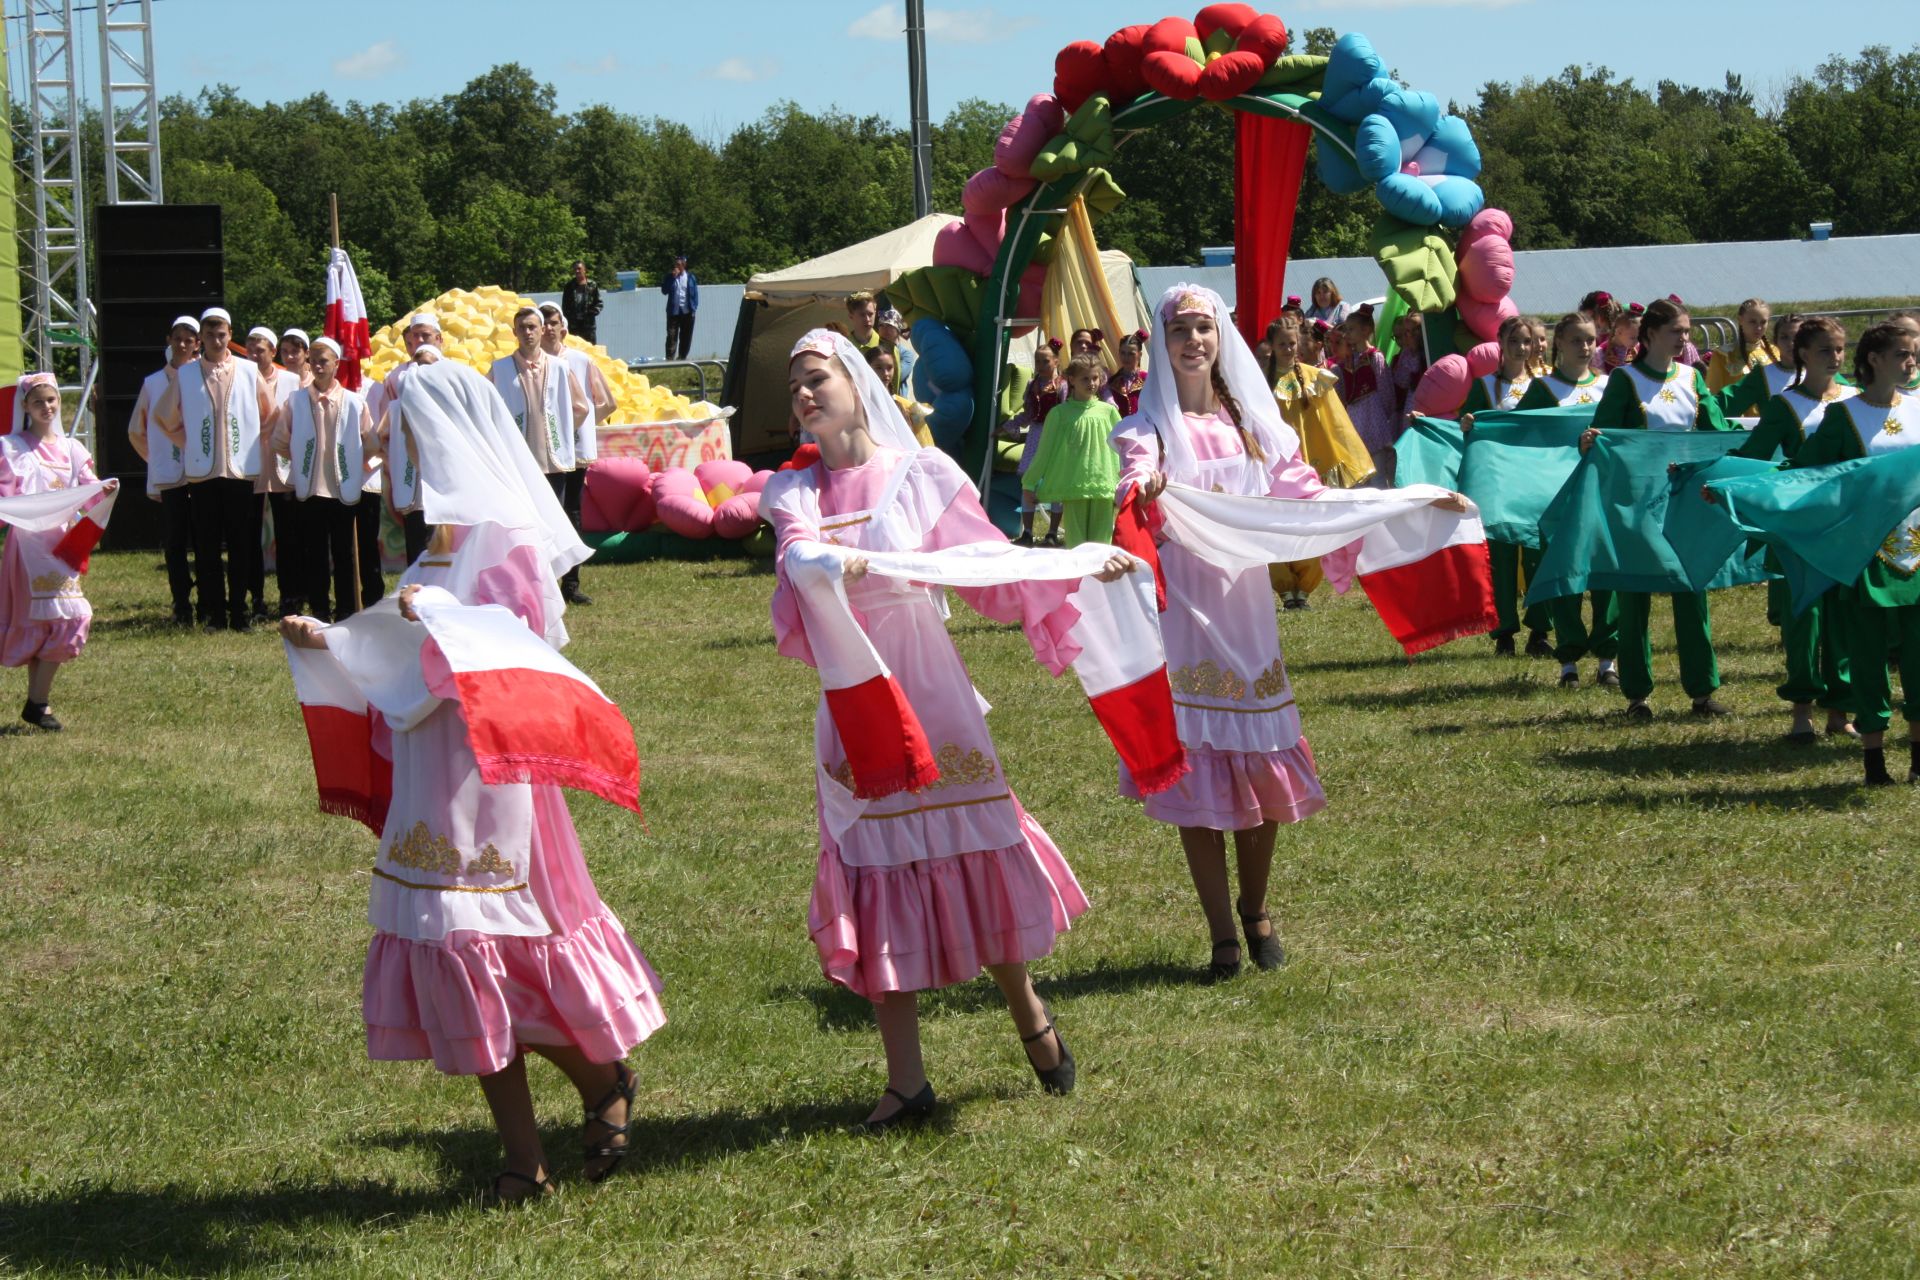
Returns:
(1516,464)
(1608,527)
(1428,452)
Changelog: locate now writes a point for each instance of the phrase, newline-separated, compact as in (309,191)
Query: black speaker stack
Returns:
(153,262)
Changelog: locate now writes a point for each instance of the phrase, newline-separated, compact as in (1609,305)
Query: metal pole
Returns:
(920,130)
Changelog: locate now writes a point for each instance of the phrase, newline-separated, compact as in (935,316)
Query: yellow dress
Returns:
(1310,402)
(1724,368)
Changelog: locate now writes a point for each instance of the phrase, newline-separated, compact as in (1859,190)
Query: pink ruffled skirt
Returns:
(21,638)
(470,1000)
(938,922)
(1235,790)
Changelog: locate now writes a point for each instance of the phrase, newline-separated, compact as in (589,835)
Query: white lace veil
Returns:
(1160,398)
(475,467)
(885,423)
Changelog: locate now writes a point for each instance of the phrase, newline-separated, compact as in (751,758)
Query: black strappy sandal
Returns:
(1058,1079)
(914,1110)
(1219,970)
(542,1188)
(1267,953)
(623,1087)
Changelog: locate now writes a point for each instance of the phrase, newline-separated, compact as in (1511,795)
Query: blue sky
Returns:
(651,57)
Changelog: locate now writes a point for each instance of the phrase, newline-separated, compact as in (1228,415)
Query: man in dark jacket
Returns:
(580,304)
(683,303)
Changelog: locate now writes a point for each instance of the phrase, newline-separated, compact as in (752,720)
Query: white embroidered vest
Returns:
(586,445)
(346,459)
(1885,431)
(166,465)
(555,416)
(240,431)
(1672,403)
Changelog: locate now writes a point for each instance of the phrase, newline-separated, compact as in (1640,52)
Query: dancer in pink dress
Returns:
(490,940)
(44,616)
(925,877)
(1209,420)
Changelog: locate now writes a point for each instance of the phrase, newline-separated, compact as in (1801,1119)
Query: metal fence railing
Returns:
(652,367)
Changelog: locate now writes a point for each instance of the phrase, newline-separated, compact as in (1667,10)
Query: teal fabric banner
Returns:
(1607,528)
(1428,452)
(1516,464)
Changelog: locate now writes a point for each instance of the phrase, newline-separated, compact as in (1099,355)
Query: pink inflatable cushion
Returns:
(988,227)
(1487,222)
(990,190)
(1483,359)
(721,478)
(1485,318)
(738,516)
(1486,269)
(1027,134)
(955,246)
(682,503)
(618,496)
(1442,389)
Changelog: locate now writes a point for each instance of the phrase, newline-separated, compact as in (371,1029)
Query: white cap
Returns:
(426,318)
(188,321)
(329,344)
(216,313)
(552,307)
(261,331)
(301,334)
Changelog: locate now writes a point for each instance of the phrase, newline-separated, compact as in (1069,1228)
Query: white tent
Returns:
(872,264)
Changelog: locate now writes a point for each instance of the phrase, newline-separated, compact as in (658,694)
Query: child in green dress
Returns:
(1075,466)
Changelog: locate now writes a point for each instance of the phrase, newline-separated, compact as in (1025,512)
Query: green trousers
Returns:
(1817,645)
(1573,639)
(1508,559)
(1692,633)
(1875,631)
(1086,520)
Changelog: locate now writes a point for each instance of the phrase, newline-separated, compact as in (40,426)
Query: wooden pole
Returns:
(333,210)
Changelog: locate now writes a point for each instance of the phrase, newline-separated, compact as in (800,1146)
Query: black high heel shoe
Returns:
(542,1188)
(624,1088)
(1057,1079)
(1219,970)
(913,1111)
(1266,950)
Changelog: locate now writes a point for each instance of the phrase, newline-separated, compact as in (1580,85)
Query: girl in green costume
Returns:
(1657,393)
(1885,599)
(1573,382)
(1503,389)
(1075,467)
(1815,641)
(1762,382)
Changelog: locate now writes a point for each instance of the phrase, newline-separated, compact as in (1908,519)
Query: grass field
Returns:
(1565,997)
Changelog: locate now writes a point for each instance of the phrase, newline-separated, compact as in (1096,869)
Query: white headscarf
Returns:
(475,467)
(1160,398)
(885,423)
(27,383)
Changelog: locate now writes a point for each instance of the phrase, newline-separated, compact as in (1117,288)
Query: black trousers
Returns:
(366,518)
(414,526)
(176,535)
(288,552)
(222,516)
(331,529)
(257,561)
(679,336)
(568,486)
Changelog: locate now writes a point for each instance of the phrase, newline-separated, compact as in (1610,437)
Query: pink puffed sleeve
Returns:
(1139,448)
(789,629)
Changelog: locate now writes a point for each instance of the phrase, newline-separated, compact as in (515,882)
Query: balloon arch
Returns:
(1367,131)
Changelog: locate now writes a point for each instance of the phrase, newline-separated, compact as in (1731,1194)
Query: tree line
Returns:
(494,184)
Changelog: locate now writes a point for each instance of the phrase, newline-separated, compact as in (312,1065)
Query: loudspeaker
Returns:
(155,262)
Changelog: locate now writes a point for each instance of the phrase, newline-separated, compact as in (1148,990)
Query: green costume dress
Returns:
(1076,467)
(1573,639)
(1885,601)
(1512,563)
(1816,641)
(1640,398)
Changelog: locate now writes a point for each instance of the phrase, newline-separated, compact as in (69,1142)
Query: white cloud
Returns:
(370,63)
(741,71)
(604,66)
(955,26)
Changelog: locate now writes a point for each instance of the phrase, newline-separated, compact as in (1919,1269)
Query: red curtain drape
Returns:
(1269,160)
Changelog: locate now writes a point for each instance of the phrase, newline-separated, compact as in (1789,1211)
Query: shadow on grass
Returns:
(838,1009)
(749,640)
(1426,695)
(1741,756)
(1831,796)
(736,568)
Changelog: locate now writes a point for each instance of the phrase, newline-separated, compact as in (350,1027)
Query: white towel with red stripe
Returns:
(53,508)
(1121,662)
(1425,569)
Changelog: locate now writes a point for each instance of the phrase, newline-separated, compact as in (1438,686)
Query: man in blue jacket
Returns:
(683,303)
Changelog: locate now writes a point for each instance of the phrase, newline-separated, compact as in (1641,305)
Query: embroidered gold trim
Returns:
(1272,682)
(958,768)
(1208,680)
(930,808)
(1238,711)
(422,850)
(436,564)
(846,524)
(490,863)
(452,888)
(55,584)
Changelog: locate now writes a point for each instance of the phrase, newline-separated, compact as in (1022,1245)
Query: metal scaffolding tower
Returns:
(130,106)
(58,314)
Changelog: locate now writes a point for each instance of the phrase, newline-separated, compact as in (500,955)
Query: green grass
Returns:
(1565,997)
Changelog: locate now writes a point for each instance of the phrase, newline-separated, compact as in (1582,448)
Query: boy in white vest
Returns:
(402,479)
(327,437)
(586,445)
(549,408)
(279,383)
(213,410)
(166,472)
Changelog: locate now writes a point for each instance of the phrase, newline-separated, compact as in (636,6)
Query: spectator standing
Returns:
(580,300)
(683,304)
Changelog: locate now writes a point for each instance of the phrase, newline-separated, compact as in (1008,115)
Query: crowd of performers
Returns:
(444,717)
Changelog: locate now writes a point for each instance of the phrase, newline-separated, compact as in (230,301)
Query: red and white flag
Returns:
(52,508)
(354,778)
(346,321)
(76,546)
(1426,570)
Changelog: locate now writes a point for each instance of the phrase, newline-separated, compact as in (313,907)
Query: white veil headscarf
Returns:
(1160,398)
(885,423)
(475,467)
(26,384)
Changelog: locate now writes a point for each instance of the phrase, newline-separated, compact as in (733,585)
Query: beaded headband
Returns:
(1187,304)
(814,342)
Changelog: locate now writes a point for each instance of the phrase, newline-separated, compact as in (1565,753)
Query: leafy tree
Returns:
(518,241)
(1854,126)
(261,246)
